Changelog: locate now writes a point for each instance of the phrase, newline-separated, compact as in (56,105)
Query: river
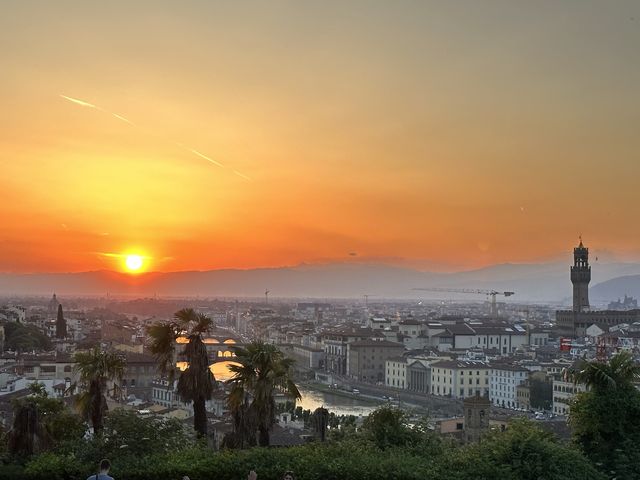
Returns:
(338,404)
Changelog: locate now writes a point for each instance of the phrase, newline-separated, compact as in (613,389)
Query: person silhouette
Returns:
(103,474)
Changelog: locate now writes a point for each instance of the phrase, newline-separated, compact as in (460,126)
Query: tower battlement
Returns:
(580,277)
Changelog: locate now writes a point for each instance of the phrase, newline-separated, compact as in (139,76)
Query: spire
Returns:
(581,245)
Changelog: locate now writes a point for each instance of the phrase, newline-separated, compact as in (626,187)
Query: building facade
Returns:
(367,359)
(503,385)
(460,379)
(563,393)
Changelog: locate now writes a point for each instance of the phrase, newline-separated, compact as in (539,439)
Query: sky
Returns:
(437,135)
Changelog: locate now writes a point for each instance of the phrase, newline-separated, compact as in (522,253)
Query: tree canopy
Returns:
(606,419)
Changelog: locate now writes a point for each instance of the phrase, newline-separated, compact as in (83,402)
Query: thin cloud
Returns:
(121,255)
(120,117)
(80,102)
(242,175)
(202,155)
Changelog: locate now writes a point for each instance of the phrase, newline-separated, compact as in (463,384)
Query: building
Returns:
(335,344)
(396,375)
(563,393)
(576,321)
(629,303)
(476,418)
(580,278)
(47,367)
(305,357)
(523,395)
(503,383)
(140,372)
(460,379)
(504,339)
(366,359)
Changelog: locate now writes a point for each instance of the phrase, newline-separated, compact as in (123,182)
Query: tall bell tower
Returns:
(580,277)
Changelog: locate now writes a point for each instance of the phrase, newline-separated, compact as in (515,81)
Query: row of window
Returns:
(444,379)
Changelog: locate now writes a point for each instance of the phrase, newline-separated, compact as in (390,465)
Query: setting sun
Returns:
(133,262)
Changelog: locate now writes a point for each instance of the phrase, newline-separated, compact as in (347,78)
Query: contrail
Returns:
(241,175)
(120,117)
(201,155)
(82,103)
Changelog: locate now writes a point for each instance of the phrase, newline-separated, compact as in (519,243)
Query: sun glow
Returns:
(133,262)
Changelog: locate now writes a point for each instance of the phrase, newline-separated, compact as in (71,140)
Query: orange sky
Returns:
(441,135)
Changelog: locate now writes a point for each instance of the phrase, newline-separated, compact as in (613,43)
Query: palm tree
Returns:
(196,382)
(261,371)
(605,420)
(28,435)
(96,367)
(620,372)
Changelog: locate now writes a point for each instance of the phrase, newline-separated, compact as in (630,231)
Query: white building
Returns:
(563,392)
(396,372)
(462,336)
(459,379)
(503,383)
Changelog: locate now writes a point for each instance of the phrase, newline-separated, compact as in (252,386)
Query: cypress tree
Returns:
(61,324)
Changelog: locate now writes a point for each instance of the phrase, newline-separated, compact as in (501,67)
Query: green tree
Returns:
(262,370)
(321,422)
(606,419)
(19,337)
(541,391)
(522,452)
(62,425)
(96,368)
(128,433)
(196,383)
(28,435)
(389,426)
(61,324)
(42,422)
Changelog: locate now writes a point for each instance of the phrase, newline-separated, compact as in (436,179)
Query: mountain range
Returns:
(547,282)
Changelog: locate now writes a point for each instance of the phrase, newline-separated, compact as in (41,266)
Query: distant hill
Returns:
(616,288)
(531,282)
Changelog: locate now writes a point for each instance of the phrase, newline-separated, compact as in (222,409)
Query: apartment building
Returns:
(460,379)
(503,383)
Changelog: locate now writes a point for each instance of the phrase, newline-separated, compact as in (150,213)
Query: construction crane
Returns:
(492,293)
(366,300)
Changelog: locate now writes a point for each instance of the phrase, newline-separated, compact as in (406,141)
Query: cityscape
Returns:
(280,240)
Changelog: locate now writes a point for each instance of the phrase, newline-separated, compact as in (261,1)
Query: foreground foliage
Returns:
(143,448)
(606,419)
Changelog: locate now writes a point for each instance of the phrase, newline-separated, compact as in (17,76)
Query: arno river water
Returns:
(339,404)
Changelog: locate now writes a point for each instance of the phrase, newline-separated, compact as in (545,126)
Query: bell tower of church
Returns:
(580,277)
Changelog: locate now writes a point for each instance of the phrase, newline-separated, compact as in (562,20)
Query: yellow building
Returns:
(460,379)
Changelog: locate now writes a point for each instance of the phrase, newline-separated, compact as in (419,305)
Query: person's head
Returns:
(288,475)
(105,465)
